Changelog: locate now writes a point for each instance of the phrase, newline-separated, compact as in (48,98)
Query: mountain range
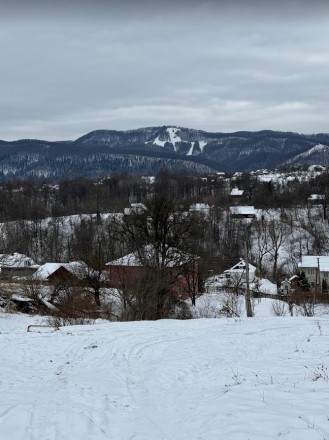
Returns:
(146,150)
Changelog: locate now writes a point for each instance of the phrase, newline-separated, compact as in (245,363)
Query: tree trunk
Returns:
(247,294)
(97,297)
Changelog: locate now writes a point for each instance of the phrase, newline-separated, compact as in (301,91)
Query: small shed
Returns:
(285,287)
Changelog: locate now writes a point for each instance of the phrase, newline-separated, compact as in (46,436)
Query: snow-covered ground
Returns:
(202,379)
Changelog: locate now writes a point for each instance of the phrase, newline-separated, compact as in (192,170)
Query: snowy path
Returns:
(167,380)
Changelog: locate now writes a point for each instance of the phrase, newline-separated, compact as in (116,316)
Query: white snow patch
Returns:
(202,145)
(258,378)
(158,142)
(190,151)
(265,286)
(173,136)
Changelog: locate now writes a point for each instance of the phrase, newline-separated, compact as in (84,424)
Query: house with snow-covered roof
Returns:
(135,208)
(236,192)
(62,273)
(17,264)
(316,199)
(242,212)
(236,195)
(179,266)
(316,269)
(202,208)
(238,272)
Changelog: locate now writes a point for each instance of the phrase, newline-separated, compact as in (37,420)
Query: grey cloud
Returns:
(87,9)
(234,69)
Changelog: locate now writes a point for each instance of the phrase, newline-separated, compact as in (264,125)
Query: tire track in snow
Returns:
(50,410)
(137,388)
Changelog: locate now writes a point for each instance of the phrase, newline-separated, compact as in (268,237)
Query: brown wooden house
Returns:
(180,269)
(62,274)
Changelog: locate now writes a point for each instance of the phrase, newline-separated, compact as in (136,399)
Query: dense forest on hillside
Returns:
(35,215)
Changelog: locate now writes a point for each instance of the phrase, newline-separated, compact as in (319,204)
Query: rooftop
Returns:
(147,254)
(313,261)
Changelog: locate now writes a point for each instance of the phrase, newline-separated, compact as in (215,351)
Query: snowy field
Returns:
(202,379)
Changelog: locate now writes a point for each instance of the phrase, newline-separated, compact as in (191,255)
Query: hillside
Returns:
(259,378)
(146,150)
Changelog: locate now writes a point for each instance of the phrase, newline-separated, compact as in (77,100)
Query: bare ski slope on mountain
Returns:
(202,379)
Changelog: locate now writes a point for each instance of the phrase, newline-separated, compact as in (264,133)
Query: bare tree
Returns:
(260,244)
(160,236)
(277,236)
(90,245)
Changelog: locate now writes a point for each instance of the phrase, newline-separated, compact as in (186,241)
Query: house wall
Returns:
(63,277)
(313,278)
(10,272)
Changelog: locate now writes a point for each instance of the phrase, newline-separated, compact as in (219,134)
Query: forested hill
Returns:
(146,150)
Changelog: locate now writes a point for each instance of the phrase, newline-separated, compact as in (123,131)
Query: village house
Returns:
(181,267)
(17,265)
(242,212)
(65,274)
(220,175)
(316,199)
(236,192)
(289,285)
(316,270)
(202,208)
(135,208)
(236,195)
(238,273)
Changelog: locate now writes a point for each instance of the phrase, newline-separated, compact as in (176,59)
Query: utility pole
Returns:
(247,294)
(319,285)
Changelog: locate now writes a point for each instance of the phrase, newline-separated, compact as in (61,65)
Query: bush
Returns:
(279,308)
(182,311)
(231,304)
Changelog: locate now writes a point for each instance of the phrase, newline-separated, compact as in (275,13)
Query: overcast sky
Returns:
(220,66)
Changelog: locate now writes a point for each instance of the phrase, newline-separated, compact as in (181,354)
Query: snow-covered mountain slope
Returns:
(238,151)
(318,154)
(257,378)
(146,150)
(175,139)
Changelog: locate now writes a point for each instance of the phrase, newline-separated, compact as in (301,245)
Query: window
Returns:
(311,271)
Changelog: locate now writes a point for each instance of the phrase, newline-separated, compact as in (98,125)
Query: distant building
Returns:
(181,267)
(316,269)
(203,208)
(316,199)
(62,273)
(285,287)
(18,265)
(220,174)
(242,212)
(236,192)
(289,285)
(238,272)
(135,208)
